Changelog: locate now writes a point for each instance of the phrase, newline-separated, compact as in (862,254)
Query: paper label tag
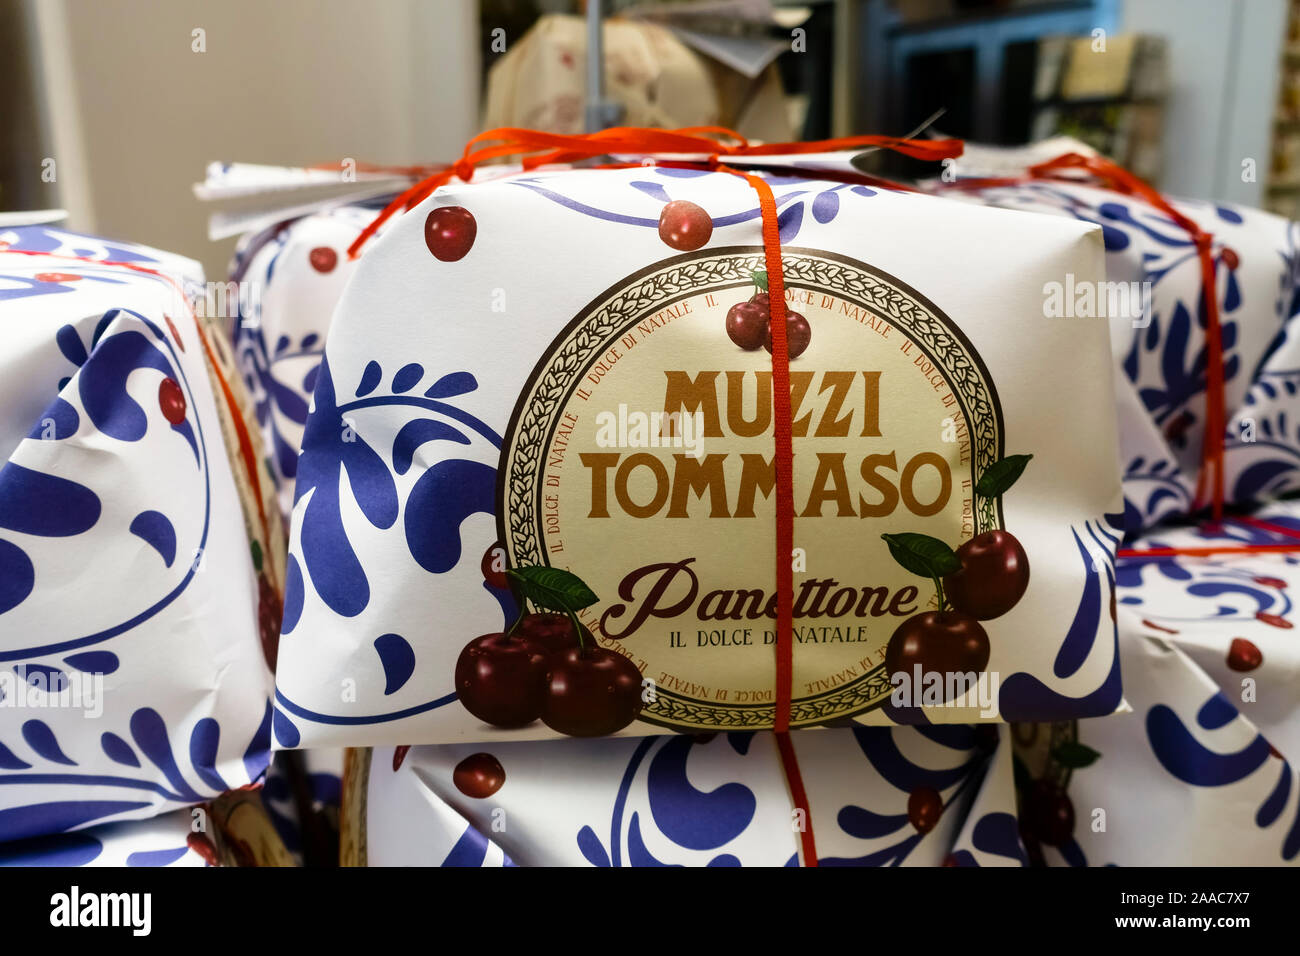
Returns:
(645,422)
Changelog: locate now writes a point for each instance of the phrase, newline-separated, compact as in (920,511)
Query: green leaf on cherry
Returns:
(760,278)
(1001,475)
(552,588)
(922,554)
(256,547)
(1074,755)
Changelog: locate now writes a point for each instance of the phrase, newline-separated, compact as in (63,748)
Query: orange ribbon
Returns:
(1109,175)
(1116,178)
(712,142)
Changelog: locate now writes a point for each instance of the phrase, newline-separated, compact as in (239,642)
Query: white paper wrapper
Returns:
(1199,773)
(682,801)
(161,841)
(128,575)
(293,274)
(290,277)
(1160,345)
(419,401)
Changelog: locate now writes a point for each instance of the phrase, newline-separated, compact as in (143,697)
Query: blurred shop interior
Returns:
(132,99)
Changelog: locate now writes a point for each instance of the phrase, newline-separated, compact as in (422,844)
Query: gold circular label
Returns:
(639,457)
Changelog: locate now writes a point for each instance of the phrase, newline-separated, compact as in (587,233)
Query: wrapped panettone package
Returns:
(1197,771)
(542,477)
(140,558)
(1154,302)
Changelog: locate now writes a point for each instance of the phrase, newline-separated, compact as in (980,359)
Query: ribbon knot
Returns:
(463,169)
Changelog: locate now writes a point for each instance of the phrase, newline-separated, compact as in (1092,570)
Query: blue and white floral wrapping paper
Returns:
(1159,343)
(292,275)
(160,841)
(717,800)
(1199,771)
(134,677)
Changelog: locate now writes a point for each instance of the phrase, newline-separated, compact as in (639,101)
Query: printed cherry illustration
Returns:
(171,400)
(993,576)
(747,322)
(924,808)
(1230,258)
(684,225)
(501,679)
(269,612)
(479,776)
(946,642)
(1270,582)
(1243,655)
(1049,814)
(323,259)
(449,232)
(798,333)
(549,665)
(493,567)
(747,325)
(591,692)
(552,632)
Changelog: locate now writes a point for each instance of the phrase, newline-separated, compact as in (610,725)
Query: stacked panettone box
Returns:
(141,566)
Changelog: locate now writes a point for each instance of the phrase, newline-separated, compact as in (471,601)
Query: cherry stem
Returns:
(523,612)
(580,629)
(938,587)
